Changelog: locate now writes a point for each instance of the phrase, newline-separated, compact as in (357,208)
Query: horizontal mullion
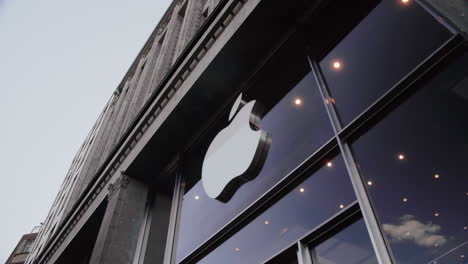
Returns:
(403,88)
(278,191)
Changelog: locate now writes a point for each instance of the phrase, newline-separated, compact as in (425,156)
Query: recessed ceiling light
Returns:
(337,65)
(298,101)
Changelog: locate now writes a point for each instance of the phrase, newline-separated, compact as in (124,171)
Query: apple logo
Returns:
(236,155)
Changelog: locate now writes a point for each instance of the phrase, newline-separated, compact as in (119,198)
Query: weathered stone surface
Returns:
(119,232)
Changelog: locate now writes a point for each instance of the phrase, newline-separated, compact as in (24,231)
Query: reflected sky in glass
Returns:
(351,246)
(379,52)
(416,158)
(298,125)
(323,194)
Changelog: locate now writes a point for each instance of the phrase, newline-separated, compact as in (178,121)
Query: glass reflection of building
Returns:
(368,120)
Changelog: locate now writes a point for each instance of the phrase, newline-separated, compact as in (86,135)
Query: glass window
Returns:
(416,162)
(298,125)
(351,246)
(322,195)
(380,51)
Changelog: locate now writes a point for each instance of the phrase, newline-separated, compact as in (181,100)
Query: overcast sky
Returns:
(60,61)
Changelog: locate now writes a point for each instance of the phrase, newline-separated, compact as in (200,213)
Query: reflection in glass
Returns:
(421,201)
(297,122)
(306,206)
(350,246)
(380,51)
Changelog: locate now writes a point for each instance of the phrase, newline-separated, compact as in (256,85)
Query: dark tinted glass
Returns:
(350,246)
(323,194)
(416,163)
(379,52)
(298,125)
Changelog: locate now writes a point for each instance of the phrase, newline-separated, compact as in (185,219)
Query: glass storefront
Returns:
(325,193)
(351,246)
(409,154)
(416,160)
(378,53)
(297,122)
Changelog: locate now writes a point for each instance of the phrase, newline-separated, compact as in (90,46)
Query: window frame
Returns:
(363,207)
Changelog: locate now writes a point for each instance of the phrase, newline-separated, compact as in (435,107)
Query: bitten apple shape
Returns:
(236,154)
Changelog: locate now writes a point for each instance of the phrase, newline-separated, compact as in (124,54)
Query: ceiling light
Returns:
(337,65)
(298,101)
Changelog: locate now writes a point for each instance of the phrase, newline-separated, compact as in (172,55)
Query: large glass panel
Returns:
(415,165)
(350,246)
(323,194)
(395,37)
(297,122)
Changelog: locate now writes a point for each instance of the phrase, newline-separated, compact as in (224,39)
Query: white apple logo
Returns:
(237,153)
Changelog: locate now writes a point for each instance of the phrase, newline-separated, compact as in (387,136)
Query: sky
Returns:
(60,61)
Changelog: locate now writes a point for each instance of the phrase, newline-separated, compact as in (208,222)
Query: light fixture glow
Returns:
(329,164)
(236,249)
(337,65)
(369,183)
(465,228)
(197,197)
(405,200)
(436,214)
(401,156)
(302,190)
(298,101)
(436,245)
(341,206)
(437,176)
(405,2)
(267,222)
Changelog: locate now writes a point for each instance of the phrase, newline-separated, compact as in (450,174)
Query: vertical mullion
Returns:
(303,254)
(313,255)
(382,251)
(169,254)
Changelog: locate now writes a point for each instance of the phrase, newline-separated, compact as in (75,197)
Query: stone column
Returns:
(118,235)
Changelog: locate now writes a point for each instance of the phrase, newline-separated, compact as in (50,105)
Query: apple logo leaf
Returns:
(237,154)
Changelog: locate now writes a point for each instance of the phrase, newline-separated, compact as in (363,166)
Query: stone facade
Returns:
(111,173)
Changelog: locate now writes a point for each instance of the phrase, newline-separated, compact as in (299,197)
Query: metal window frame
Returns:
(340,141)
(392,98)
(265,201)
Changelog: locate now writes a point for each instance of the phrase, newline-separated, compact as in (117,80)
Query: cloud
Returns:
(411,229)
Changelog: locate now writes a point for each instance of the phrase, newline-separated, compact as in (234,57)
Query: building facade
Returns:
(255,131)
(23,248)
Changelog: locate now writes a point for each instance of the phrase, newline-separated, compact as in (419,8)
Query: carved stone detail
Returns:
(122,182)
